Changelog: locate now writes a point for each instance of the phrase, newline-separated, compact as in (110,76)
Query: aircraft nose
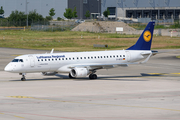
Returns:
(8,68)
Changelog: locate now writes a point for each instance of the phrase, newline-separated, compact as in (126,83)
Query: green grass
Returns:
(72,41)
(142,26)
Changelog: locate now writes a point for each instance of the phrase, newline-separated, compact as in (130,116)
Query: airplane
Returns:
(83,64)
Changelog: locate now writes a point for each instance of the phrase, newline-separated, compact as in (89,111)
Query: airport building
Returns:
(154,9)
(82,6)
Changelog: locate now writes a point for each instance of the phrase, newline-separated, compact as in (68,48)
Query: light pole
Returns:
(80,9)
(27,13)
(98,9)
(123,9)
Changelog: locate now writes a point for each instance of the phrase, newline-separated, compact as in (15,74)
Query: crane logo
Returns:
(147,36)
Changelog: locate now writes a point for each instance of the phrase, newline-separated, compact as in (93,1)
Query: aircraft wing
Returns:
(99,66)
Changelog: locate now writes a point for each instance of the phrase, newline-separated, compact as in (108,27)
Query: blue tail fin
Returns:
(144,41)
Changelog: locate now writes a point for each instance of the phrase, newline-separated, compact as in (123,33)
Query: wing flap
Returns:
(99,66)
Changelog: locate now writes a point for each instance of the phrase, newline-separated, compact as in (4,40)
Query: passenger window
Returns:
(52,59)
(41,59)
(117,56)
(49,59)
(114,56)
(38,60)
(120,56)
(101,57)
(77,58)
(91,57)
(69,58)
(98,56)
(56,59)
(66,59)
(45,59)
(104,56)
(59,59)
(84,57)
(73,58)
(95,57)
(110,56)
(123,55)
(107,56)
(81,57)
(88,57)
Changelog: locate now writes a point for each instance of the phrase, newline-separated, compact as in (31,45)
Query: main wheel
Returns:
(92,76)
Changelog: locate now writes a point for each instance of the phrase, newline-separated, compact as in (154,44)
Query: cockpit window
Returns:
(20,60)
(17,60)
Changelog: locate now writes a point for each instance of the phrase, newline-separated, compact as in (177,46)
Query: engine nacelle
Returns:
(79,72)
(49,73)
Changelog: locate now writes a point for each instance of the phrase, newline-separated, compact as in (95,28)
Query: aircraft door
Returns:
(128,56)
(32,61)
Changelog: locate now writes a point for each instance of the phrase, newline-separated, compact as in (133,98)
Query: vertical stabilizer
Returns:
(145,40)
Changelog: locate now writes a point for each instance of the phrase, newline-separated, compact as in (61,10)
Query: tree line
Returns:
(34,16)
(69,14)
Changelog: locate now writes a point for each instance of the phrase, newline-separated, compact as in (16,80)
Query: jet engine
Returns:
(49,73)
(79,72)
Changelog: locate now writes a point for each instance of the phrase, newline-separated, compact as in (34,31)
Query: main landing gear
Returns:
(92,76)
(23,76)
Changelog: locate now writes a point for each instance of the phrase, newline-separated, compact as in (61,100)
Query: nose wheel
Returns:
(23,76)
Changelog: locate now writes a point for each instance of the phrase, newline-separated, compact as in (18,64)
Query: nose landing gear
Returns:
(23,76)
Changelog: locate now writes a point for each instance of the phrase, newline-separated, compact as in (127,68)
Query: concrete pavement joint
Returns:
(96,103)
(42,115)
(13,115)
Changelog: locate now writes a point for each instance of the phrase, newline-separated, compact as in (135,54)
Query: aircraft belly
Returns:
(64,69)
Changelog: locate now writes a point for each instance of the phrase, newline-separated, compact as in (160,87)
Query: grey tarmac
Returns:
(148,91)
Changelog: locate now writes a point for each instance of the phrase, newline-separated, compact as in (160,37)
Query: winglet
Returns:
(144,41)
(52,51)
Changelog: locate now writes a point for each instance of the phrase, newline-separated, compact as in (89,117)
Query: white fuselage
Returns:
(63,62)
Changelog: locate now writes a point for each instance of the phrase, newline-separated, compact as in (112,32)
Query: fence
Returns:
(54,26)
(38,25)
(6,23)
(110,27)
(99,28)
